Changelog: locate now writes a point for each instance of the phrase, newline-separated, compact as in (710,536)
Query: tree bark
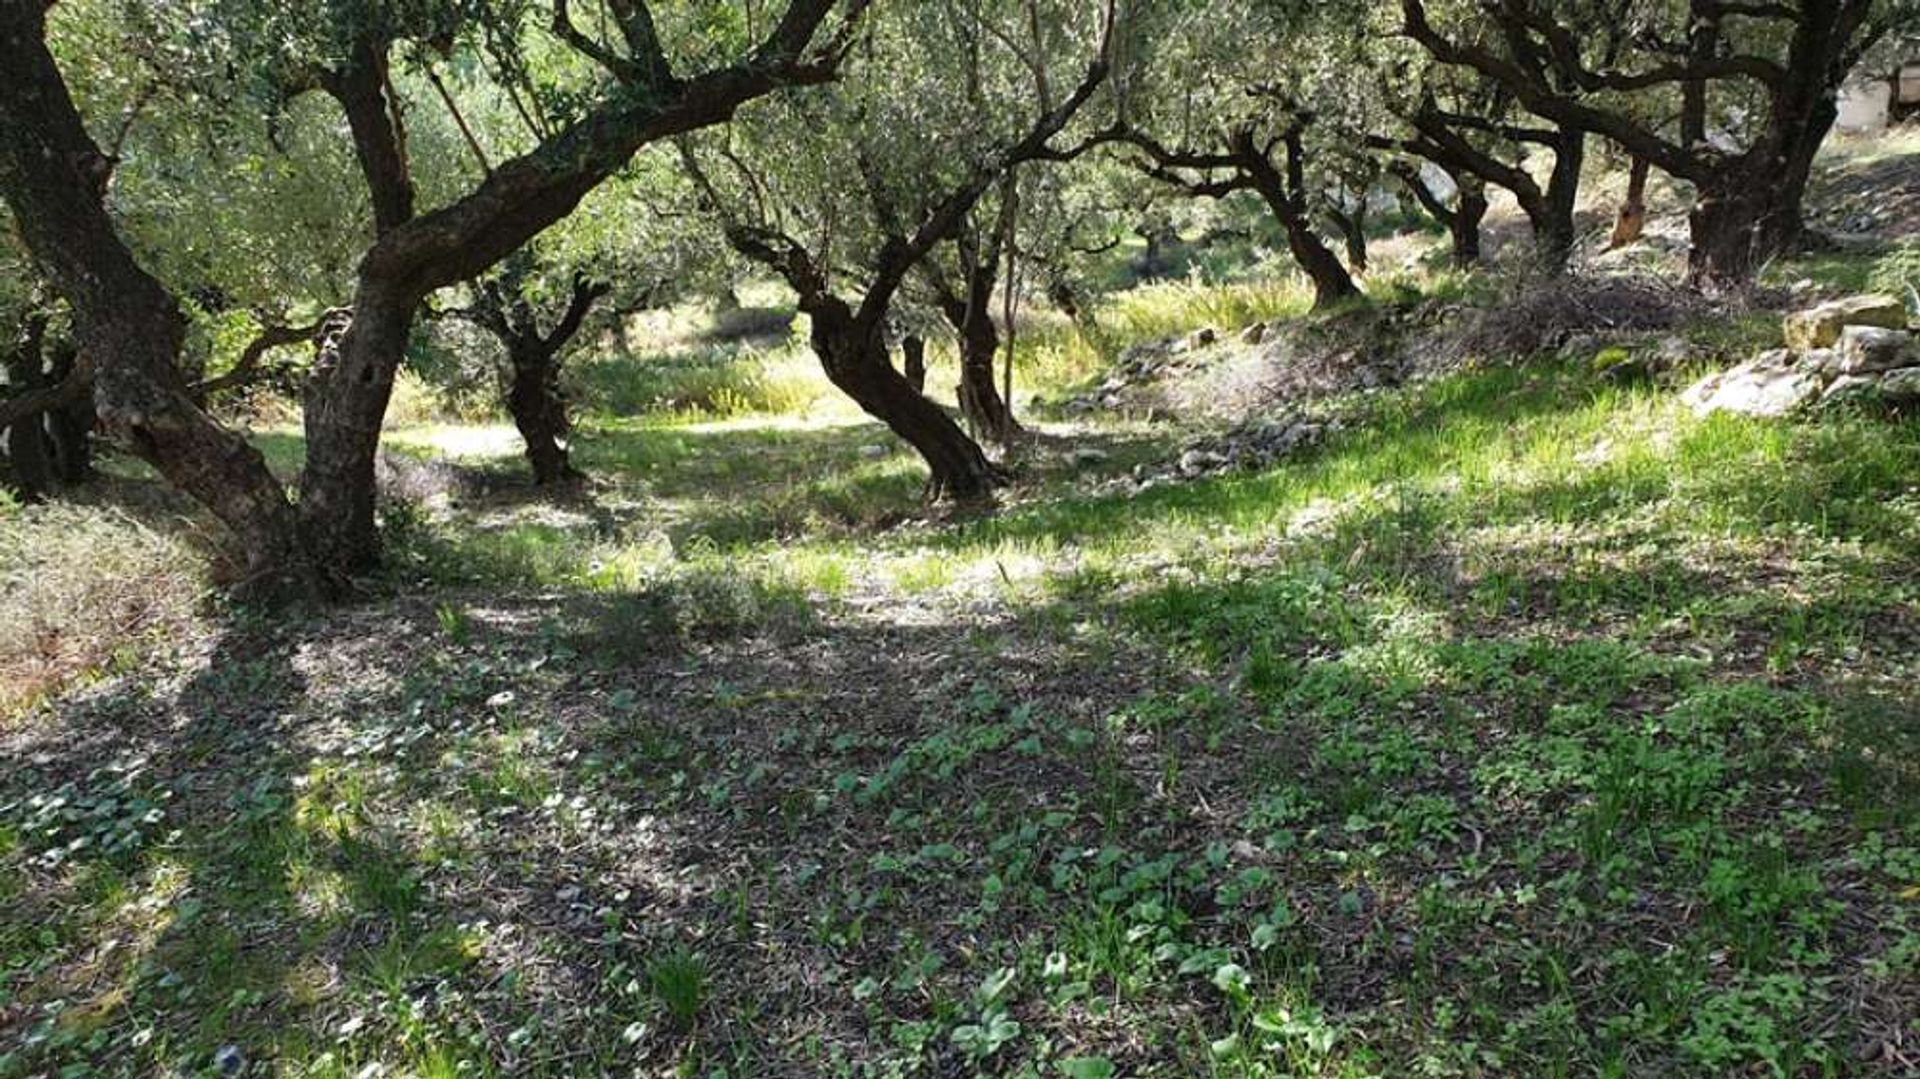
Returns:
(70,423)
(971,316)
(913,362)
(853,351)
(346,398)
(1631,221)
(29,466)
(1750,210)
(540,413)
(1555,229)
(126,323)
(346,403)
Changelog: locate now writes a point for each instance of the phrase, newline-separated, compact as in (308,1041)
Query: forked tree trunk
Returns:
(1285,196)
(540,412)
(854,353)
(1470,209)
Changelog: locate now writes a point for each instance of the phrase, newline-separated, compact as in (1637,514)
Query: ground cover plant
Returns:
(1409,676)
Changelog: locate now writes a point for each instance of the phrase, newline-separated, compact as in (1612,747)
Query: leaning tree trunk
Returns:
(1331,281)
(539,410)
(1353,235)
(126,324)
(854,353)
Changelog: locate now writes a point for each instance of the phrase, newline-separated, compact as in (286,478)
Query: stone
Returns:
(1824,362)
(1196,461)
(1867,350)
(1770,384)
(1850,389)
(1902,386)
(1819,327)
(1254,334)
(1087,455)
(1202,337)
(873,451)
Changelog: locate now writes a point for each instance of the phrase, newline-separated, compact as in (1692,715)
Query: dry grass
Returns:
(82,588)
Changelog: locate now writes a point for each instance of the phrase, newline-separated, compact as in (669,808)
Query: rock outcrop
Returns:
(1851,351)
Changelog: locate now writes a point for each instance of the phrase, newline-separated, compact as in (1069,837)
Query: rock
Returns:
(1202,337)
(872,451)
(1867,350)
(1902,386)
(1087,455)
(1824,362)
(1770,384)
(1194,462)
(1670,353)
(1254,334)
(1819,327)
(1850,389)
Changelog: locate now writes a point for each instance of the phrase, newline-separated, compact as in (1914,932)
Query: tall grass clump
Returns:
(82,589)
(719,381)
(1174,307)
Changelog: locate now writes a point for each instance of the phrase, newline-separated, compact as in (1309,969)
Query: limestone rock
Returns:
(1254,334)
(1824,362)
(1902,386)
(1770,384)
(1867,350)
(1851,389)
(1202,337)
(1819,327)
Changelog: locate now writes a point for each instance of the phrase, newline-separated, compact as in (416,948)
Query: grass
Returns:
(1528,724)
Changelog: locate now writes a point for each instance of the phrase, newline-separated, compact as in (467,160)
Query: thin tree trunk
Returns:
(1469,211)
(972,319)
(1555,230)
(1631,221)
(913,362)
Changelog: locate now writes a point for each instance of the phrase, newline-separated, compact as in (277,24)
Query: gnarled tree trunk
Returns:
(127,326)
(346,403)
(540,413)
(854,353)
